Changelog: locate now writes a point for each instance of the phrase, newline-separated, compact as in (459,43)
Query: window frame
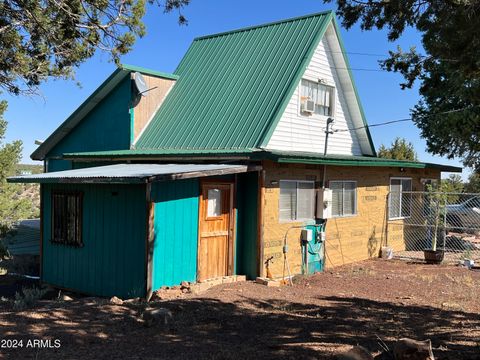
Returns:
(400,203)
(214,217)
(343,197)
(79,228)
(280,220)
(332,101)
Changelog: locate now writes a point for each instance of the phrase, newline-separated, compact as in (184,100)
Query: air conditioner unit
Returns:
(308,106)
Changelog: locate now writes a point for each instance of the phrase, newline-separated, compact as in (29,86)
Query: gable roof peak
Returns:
(272,23)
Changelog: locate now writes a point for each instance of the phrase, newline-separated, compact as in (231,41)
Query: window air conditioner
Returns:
(308,106)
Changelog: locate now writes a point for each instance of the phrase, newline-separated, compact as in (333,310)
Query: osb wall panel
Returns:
(148,105)
(349,239)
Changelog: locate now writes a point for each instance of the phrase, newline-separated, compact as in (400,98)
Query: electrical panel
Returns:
(324,204)
(306,235)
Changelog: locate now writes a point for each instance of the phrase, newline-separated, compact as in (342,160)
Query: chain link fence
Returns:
(447,222)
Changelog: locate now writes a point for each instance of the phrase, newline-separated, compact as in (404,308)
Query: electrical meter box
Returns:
(324,204)
(306,235)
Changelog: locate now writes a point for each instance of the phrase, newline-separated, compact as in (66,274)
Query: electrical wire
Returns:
(360,69)
(402,120)
(356,53)
(382,55)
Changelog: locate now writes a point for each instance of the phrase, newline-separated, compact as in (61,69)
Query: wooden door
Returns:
(215,248)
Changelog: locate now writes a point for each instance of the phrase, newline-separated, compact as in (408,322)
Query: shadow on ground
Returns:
(243,329)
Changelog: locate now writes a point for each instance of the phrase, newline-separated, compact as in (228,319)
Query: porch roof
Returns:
(133,173)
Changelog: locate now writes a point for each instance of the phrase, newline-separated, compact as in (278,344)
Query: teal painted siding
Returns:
(176,232)
(112,260)
(106,127)
(88,164)
(58,165)
(246,244)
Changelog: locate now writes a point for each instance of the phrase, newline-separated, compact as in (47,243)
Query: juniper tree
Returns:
(12,206)
(448,113)
(400,149)
(49,38)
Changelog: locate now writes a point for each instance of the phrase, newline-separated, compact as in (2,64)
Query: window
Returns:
(297,200)
(344,198)
(400,199)
(214,204)
(67,218)
(320,98)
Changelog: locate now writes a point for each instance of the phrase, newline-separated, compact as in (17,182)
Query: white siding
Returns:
(296,132)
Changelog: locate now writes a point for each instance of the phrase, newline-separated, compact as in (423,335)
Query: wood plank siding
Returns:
(148,105)
(176,232)
(105,127)
(112,258)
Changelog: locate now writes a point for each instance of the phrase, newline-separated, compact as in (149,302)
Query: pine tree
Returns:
(12,207)
(400,149)
(448,113)
(42,39)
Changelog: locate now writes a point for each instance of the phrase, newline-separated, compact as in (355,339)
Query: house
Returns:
(217,168)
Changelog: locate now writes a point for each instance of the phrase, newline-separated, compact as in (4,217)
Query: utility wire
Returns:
(381,55)
(360,69)
(356,53)
(403,120)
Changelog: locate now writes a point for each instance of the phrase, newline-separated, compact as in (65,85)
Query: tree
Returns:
(448,113)
(42,39)
(12,207)
(400,149)
(453,184)
(473,184)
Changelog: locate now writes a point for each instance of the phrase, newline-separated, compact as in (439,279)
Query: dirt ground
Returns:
(318,317)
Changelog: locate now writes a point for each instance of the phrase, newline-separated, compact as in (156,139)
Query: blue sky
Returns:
(166,42)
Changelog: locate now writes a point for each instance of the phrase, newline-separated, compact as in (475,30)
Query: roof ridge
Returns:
(277,22)
(134,68)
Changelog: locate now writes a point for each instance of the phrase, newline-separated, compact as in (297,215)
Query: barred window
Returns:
(67,218)
(344,198)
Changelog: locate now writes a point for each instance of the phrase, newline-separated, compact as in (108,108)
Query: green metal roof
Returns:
(149,72)
(144,153)
(233,86)
(257,154)
(100,93)
(347,160)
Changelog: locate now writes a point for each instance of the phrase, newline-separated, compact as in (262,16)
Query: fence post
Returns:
(444,222)
(387,217)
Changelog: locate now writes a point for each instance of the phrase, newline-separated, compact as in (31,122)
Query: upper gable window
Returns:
(316,98)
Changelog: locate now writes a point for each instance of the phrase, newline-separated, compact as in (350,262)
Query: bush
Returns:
(28,298)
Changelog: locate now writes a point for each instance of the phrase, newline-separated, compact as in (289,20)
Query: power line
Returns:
(356,53)
(360,69)
(383,55)
(402,120)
